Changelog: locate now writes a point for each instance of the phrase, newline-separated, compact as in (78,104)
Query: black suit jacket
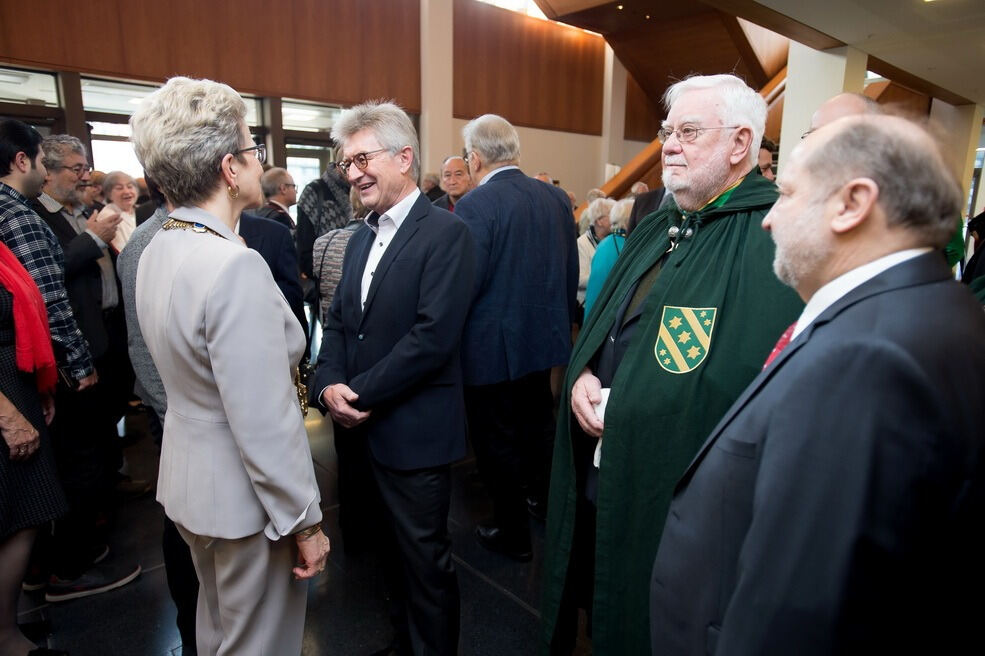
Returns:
(83,279)
(401,354)
(273,241)
(837,507)
(275,213)
(526,278)
(444,202)
(646,203)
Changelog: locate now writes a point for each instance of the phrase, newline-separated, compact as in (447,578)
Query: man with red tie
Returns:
(836,508)
(683,323)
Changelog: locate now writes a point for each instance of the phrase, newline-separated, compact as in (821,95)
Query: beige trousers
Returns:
(249,603)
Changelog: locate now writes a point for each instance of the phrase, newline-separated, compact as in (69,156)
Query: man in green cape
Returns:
(684,322)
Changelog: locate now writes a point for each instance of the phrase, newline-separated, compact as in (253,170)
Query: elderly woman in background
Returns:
(120,191)
(607,251)
(599,227)
(236,475)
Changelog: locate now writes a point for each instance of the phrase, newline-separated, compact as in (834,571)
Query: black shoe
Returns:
(537,509)
(95,580)
(492,538)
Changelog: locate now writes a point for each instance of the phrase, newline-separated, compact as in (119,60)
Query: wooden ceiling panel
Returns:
(657,56)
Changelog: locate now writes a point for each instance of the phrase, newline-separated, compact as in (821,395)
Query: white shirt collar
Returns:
(827,295)
(50,203)
(495,171)
(397,213)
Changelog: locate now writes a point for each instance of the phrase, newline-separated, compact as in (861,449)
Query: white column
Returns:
(437,89)
(814,76)
(613,113)
(958,129)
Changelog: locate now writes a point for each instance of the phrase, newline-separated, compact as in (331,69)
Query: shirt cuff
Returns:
(95,238)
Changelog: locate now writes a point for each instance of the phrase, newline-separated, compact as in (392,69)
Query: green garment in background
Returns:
(954,251)
(978,288)
(660,411)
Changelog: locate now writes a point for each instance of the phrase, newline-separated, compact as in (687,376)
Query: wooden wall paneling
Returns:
(388,42)
(336,51)
(534,73)
(642,116)
(774,119)
(899,100)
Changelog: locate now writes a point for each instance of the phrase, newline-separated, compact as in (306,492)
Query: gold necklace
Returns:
(177,224)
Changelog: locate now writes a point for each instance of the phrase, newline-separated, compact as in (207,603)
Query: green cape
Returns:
(660,411)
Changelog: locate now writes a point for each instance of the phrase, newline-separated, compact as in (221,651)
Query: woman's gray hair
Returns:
(113,178)
(619,216)
(493,137)
(182,131)
(599,208)
(389,124)
(740,106)
(57,147)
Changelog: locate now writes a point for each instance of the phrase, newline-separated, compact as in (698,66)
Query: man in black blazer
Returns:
(273,241)
(389,371)
(837,507)
(518,328)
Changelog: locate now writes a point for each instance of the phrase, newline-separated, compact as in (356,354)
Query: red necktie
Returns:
(780,344)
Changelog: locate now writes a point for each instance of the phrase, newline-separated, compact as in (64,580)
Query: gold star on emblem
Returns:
(663,352)
(693,352)
(684,337)
(707,322)
(704,314)
(675,323)
(666,360)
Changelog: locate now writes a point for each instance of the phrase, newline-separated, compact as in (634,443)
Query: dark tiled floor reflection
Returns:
(346,611)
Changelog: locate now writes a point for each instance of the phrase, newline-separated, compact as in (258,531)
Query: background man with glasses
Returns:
(684,322)
(87,447)
(389,370)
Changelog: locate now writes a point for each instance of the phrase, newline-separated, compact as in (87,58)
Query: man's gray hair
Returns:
(182,131)
(740,106)
(388,122)
(916,190)
(493,137)
(59,146)
(113,178)
(599,208)
(272,179)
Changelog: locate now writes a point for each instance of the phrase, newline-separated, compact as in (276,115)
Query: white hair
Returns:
(599,208)
(740,106)
(619,216)
(389,124)
(493,137)
(113,178)
(182,131)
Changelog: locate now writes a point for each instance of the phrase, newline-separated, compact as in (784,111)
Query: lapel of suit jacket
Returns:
(407,229)
(920,270)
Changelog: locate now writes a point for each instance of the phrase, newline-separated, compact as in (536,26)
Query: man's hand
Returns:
(312,554)
(337,399)
(88,381)
(585,394)
(104,223)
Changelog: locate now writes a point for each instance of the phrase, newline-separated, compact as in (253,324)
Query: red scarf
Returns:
(34,353)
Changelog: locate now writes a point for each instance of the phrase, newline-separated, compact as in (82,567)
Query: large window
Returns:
(31,97)
(108,105)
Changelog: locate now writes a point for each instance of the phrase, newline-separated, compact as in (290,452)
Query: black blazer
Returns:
(837,507)
(83,279)
(444,202)
(273,241)
(401,354)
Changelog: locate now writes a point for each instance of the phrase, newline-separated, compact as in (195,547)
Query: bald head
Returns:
(842,105)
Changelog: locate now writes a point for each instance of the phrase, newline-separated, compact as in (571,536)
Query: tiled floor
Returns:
(346,613)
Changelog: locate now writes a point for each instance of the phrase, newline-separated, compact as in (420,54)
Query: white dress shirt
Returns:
(385,227)
(826,296)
